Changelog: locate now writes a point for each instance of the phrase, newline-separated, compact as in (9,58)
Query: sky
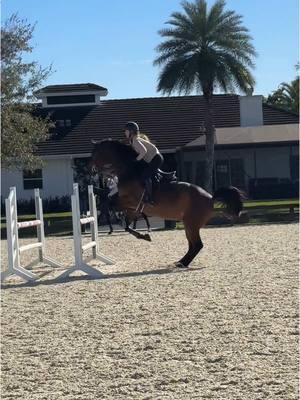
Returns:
(112,42)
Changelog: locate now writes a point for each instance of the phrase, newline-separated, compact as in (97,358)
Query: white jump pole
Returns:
(79,248)
(13,248)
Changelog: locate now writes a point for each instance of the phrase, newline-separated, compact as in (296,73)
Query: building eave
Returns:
(72,93)
(242,146)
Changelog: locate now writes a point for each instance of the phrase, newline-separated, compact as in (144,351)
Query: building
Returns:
(256,144)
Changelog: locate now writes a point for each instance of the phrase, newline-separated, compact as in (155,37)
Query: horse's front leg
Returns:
(138,235)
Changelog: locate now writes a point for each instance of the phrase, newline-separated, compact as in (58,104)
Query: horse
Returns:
(179,201)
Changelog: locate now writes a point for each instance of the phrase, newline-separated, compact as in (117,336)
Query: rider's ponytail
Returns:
(144,136)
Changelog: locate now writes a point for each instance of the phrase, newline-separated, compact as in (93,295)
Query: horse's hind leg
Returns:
(195,244)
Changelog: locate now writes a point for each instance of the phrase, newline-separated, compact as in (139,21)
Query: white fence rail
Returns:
(13,248)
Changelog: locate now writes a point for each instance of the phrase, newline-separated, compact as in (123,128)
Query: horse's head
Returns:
(112,157)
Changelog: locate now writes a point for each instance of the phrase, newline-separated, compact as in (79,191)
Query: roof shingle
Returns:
(170,122)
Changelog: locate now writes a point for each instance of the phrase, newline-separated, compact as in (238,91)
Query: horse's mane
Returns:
(123,151)
(120,151)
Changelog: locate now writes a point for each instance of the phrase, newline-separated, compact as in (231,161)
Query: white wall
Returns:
(57,180)
(12,178)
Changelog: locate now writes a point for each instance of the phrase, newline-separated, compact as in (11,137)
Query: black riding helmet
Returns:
(132,127)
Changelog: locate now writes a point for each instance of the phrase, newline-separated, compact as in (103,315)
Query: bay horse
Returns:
(179,201)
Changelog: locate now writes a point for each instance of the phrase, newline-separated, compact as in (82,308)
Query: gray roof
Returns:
(75,87)
(170,122)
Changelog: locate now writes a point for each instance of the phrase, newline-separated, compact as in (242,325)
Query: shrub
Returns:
(50,205)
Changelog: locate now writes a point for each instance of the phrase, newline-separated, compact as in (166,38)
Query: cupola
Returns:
(77,94)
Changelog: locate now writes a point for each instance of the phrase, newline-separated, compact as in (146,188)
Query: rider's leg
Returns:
(148,173)
(148,191)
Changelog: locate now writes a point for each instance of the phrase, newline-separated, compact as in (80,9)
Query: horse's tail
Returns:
(232,198)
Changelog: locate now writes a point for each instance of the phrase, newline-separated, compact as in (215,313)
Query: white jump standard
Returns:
(13,248)
(79,248)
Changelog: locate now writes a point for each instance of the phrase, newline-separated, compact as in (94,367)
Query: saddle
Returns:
(159,178)
(164,177)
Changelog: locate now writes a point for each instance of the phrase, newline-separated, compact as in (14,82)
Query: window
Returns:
(237,172)
(33,179)
(294,167)
(222,173)
(61,123)
(188,171)
(200,173)
(222,168)
(72,99)
(230,172)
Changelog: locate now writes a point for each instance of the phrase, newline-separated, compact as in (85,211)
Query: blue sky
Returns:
(112,42)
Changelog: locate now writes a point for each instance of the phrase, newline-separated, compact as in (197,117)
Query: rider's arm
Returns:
(139,148)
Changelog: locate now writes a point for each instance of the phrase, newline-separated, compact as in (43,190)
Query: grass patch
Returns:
(258,211)
(267,203)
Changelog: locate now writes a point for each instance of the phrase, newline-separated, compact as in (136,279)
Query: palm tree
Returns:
(205,50)
(286,96)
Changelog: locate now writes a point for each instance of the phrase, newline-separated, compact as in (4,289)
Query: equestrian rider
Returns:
(147,152)
(112,185)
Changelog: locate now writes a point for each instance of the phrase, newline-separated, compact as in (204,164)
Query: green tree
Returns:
(22,129)
(286,96)
(205,50)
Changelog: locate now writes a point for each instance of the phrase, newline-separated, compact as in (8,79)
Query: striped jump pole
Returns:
(14,250)
(79,247)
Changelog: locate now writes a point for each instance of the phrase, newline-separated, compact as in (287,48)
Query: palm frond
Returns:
(204,48)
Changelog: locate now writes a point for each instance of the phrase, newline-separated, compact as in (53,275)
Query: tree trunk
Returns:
(210,133)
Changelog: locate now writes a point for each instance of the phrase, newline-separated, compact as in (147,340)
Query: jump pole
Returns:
(79,248)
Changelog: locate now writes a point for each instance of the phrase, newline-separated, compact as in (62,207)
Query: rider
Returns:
(146,151)
(112,185)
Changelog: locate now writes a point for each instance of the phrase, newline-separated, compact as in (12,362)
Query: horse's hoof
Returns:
(178,264)
(147,237)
